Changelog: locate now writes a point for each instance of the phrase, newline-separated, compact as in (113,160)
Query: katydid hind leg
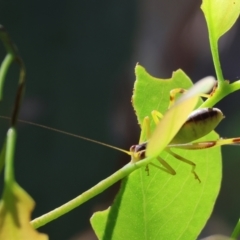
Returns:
(180,158)
(165,166)
(207,144)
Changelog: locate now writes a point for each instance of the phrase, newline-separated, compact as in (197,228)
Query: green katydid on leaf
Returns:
(176,116)
(158,205)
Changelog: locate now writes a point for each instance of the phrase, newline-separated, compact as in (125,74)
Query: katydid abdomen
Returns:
(199,123)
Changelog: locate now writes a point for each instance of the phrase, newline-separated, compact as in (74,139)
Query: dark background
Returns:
(80,58)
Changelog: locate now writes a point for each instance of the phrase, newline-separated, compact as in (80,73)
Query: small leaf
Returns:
(15,210)
(220,15)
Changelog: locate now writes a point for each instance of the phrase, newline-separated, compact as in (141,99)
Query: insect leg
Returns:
(180,90)
(173,94)
(145,135)
(145,132)
(178,157)
(156,116)
(166,167)
(207,144)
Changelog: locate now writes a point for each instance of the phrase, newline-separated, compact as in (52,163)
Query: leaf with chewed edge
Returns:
(162,206)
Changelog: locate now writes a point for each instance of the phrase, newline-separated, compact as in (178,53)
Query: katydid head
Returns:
(138,152)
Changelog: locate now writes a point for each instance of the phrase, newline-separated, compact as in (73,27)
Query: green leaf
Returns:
(15,209)
(162,206)
(220,15)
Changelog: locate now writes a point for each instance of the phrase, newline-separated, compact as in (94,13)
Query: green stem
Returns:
(9,148)
(9,159)
(12,55)
(2,156)
(92,192)
(3,71)
(214,48)
(235,86)
(215,56)
(222,91)
(236,231)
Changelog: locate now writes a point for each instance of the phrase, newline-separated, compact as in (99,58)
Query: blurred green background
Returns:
(80,58)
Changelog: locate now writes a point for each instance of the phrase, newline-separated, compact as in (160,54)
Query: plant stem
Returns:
(236,231)
(222,91)
(12,55)
(92,192)
(215,56)
(9,157)
(3,71)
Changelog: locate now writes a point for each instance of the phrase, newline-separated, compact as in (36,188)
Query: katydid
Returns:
(188,126)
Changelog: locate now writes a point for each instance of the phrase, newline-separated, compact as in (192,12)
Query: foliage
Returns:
(150,204)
